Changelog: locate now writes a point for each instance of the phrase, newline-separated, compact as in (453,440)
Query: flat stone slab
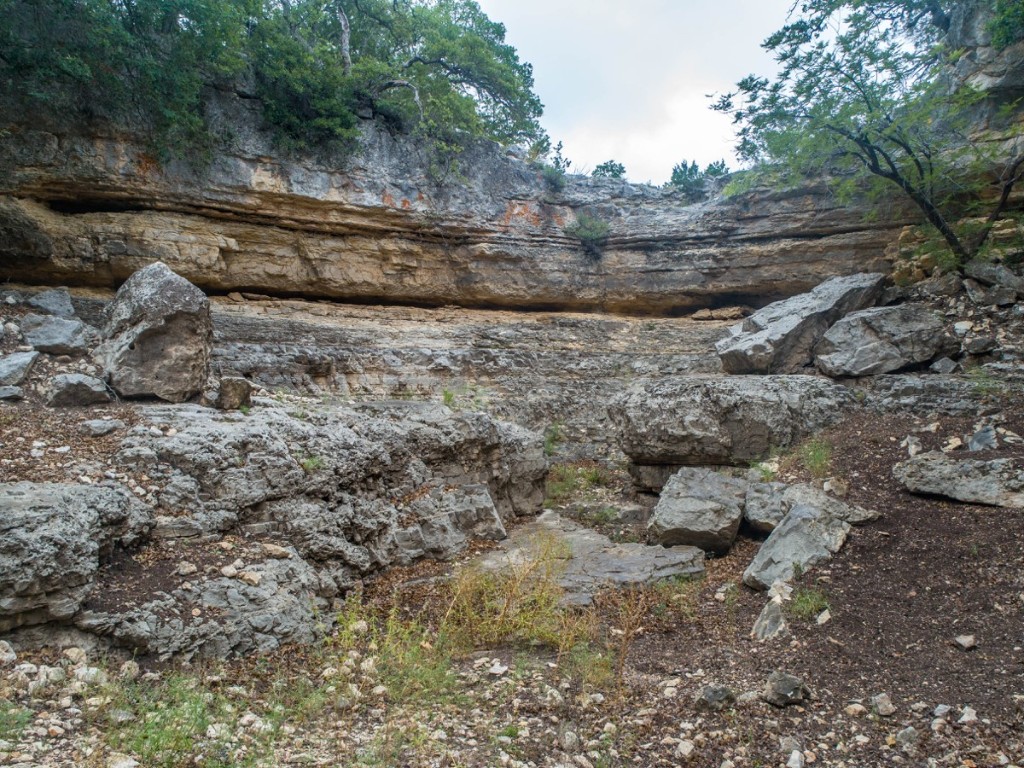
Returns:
(997,482)
(592,561)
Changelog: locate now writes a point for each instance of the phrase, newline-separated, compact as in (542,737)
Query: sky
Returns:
(628,79)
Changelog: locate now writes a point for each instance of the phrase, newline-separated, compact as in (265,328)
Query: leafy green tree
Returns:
(861,96)
(1007,23)
(439,67)
(609,170)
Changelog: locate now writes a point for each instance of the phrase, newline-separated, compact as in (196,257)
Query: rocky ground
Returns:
(909,643)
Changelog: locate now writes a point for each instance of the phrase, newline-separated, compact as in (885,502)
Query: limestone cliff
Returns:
(82,208)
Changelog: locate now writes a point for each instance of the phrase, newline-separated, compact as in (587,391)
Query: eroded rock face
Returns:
(779,338)
(376,227)
(315,497)
(883,340)
(158,337)
(722,420)
(52,537)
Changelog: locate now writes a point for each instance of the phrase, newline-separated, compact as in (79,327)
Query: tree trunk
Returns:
(346,36)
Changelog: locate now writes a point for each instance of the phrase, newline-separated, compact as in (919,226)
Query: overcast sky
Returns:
(628,80)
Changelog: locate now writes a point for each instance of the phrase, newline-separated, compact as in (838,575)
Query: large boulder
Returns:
(806,536)
(883,340)
(698,507)
(158,336)
(52,537)
(705,420)
(779,338)
(997,482)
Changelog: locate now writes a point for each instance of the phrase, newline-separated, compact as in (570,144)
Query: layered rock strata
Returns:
(91,210)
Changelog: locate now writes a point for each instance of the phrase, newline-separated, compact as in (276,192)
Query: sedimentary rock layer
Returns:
(90,210)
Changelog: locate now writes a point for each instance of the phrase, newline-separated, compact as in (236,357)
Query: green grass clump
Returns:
(807,603)
(169,724)
(13,720)
(816,456)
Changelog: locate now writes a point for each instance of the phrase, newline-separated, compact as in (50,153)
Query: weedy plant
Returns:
(816,456)
(520,605)
(13,721)
(553,437)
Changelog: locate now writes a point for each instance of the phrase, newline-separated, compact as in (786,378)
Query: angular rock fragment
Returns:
(101,427)
(11,393)
(75,389)
(158,336)
(14,368)
(763,508)
(806,536)
(771,622)
(57,335)
(698,507)
(997,482)
(883,340)
(779,338)
(234,393)
(715,698)
(784,690)
(992,274)
(56,301)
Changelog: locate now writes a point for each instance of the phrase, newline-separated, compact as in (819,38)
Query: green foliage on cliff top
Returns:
(863,95)
(439,67)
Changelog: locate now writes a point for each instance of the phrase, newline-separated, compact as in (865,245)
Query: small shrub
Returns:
(554,178)
(609,170)
(591,231)
(448,398)
(552,438)
(807,603)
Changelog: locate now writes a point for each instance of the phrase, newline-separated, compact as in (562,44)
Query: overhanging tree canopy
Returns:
(439,66)
(862,94)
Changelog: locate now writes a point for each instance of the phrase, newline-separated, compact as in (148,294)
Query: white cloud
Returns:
(629,81)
